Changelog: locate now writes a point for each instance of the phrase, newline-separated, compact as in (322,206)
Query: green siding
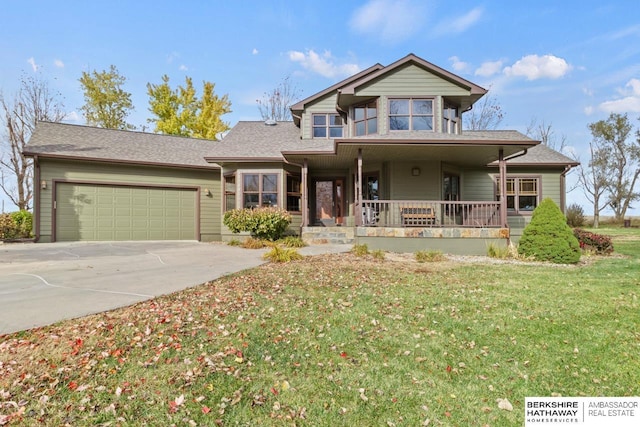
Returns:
(326,104)
(405,186)
(132,175)
(411,80)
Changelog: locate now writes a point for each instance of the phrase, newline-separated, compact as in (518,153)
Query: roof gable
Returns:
(425,65)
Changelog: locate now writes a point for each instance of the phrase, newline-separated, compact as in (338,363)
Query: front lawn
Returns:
(339,340)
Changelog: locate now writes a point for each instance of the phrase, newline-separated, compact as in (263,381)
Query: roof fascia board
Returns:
(118,161)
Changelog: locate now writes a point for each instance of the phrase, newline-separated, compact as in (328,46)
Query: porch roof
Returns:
(470,148)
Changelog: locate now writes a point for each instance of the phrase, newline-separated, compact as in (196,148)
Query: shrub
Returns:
(548,237)
(264,223)
(378,254)
(252,243)
(601,245)
(360,250)
(429,256)
(8,228)
(292,242)
(278,254)
(499,252)
(16,225)
(575,215)
(234,242)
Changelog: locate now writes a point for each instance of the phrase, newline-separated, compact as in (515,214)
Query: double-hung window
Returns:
(259,189)
(523,194)
(327,126)
(411,114)
(365,118)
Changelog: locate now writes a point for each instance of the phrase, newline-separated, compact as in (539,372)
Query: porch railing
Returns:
(420,213)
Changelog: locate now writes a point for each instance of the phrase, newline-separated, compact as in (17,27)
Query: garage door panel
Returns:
(100,212)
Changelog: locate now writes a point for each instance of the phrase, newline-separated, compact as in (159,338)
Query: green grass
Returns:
(339,340)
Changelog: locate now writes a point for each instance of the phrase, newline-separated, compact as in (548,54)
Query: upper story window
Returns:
(411,114)
(327,126)
(523,194)
(450,119)
(365,118)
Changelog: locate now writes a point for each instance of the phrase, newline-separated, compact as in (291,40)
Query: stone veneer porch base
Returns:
(458,241)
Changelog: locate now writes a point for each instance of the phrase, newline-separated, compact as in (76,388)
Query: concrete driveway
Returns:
(44,283)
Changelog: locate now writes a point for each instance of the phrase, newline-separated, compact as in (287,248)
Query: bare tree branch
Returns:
(275,104)
(33,102)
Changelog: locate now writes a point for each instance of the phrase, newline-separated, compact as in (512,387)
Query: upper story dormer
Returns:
(410,95)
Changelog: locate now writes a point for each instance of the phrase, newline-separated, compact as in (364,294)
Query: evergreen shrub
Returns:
(548,237)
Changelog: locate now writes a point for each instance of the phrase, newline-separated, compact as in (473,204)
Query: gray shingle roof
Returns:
(91,143)
(257,140)
(543,155)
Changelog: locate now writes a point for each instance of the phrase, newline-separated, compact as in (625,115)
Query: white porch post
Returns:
(305,193)
(358,196)
(503,188)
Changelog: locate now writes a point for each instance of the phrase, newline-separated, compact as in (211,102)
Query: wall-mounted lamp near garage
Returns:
(43,184)
(207,192)
(415,171)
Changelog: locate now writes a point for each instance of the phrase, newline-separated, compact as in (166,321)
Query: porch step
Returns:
(328,235)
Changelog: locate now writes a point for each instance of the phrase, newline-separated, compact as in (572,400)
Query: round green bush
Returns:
(548,237)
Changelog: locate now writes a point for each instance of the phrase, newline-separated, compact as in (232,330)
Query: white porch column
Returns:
(503,188)
(358,195)
(305,193)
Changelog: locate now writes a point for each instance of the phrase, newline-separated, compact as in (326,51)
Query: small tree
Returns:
(548,237)
(106,104)
(592,178)
(275,104)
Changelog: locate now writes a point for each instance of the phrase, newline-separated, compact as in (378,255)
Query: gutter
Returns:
(515,156)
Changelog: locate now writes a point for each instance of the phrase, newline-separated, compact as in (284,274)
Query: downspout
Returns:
(344,114)
(36,197)
(563,188)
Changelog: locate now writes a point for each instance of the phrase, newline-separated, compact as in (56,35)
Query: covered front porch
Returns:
(408,195)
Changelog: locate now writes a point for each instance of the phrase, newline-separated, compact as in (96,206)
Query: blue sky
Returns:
(565,63)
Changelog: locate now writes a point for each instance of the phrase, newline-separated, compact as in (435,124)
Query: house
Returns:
(379,158)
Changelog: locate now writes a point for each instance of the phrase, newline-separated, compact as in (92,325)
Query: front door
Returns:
(329,201)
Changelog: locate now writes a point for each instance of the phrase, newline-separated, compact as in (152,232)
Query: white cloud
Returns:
(458,65)
(31,61)
(72,117)
(535,67)
(588,110)
(489,68)
(322,64)
(183,67)
(254,51)
(459,24)
(629,103)
(391,21)
(58,63)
